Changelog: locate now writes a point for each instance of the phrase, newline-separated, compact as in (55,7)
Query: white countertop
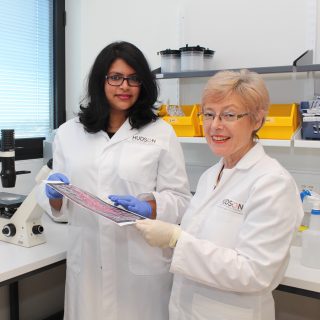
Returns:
(300,276)
(16,260)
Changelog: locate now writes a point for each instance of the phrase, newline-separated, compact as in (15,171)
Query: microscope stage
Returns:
(10,199)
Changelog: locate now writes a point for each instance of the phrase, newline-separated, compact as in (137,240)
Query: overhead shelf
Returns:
(264,142)
(276,143)
(261,70)
(192,140)
(301,64)
(301,143)
(296,141)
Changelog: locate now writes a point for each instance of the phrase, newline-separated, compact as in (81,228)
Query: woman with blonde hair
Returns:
(232,247)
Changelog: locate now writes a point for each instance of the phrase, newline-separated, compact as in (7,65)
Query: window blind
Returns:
(26,67)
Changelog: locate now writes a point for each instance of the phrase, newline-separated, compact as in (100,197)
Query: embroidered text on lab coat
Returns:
(231,205)
(143,139)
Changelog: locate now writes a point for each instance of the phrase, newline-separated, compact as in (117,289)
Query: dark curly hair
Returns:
(95,114)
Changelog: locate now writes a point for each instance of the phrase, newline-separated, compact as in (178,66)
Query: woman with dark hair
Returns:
(118,145)
(95,115)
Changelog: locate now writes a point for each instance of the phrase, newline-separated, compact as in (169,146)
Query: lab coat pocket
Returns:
(204,308)
(74,249)
(144,259)
(135,156)
(221,227)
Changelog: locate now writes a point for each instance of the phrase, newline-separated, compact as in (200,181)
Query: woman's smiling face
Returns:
(229,139)
(122,97)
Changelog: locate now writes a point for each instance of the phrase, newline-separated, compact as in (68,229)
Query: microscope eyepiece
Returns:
(7,140)
(8,172)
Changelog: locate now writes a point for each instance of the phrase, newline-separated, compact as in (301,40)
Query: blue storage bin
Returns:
(310,128)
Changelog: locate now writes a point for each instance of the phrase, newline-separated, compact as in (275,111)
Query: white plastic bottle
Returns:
(311,237)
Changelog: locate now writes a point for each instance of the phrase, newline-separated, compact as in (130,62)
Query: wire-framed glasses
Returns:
(117,80)
(226,116)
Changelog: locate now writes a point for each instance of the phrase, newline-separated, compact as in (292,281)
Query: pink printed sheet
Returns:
(95,204)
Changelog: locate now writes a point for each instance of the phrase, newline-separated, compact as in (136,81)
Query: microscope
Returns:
(20,216)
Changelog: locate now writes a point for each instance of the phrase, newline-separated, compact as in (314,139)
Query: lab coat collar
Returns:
(251,157)
(124,132)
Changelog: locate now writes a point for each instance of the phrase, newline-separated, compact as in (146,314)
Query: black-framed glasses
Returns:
(117,80)
(223,117)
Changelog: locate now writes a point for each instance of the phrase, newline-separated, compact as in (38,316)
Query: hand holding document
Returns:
(94,204)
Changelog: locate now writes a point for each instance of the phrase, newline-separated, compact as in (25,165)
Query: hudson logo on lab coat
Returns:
(232,205)
(144,139)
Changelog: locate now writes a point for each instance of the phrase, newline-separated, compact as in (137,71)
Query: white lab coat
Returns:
(112,273)
(234,247)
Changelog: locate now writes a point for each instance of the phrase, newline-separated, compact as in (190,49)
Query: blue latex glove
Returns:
(143,208)
(50,192)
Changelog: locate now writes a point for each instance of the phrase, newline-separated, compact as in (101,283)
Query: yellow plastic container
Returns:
(201,126)
(188,125)
(281,122)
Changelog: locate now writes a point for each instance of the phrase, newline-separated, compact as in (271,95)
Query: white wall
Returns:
(244,33)
(249,33)
(93,24)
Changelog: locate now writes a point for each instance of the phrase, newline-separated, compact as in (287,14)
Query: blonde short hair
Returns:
(247,86)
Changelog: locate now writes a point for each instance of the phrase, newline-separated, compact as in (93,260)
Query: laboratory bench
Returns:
(299,279)
(18,262)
